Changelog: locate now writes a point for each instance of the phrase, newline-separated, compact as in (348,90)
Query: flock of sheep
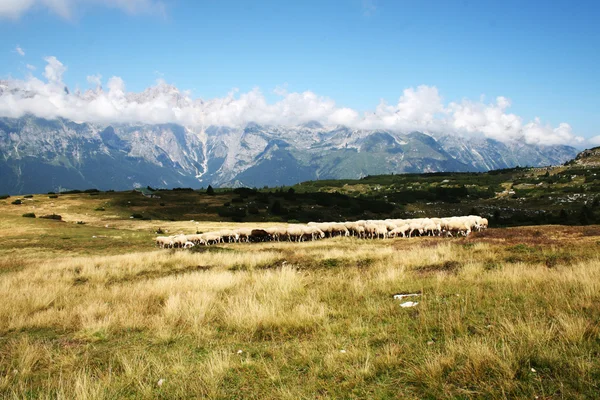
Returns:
(370,229)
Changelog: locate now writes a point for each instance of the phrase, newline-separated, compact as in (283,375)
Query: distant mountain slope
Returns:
(588,158)
(38,155)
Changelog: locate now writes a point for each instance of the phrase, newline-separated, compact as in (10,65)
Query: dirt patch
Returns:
(557,235)
(423,241)
(209,249)
(449,267)
(155,274)
(591,230)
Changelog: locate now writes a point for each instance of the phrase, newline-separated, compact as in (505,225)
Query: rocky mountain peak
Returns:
(38,155)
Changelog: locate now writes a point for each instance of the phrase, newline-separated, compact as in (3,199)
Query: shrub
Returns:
(99,209)
(53,196)
(277,209)
(28,196)
(4,197)
(245,192)
(29,215)
(80,223)
(17,202)
(232,212)
(52,216)
(137,216)
(51,193)
(162,204)
(159,231)
(210,190)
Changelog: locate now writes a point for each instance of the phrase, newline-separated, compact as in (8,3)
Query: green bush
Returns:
(4,197)
(53,196)
(17,202)
(99,209)
(29,215)
(28,196)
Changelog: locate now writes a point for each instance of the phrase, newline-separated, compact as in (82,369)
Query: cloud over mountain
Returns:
(418,109)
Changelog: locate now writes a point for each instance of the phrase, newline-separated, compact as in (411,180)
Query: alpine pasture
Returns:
(92,309)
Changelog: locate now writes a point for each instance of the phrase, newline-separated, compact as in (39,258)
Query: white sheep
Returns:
(372,229)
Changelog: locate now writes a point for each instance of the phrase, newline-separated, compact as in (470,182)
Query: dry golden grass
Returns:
(506,314)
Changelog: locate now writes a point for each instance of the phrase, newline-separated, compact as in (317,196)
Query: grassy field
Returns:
(94,311)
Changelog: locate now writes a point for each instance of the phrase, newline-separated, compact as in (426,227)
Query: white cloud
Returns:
(14,9)
(20,51)
(595,141)
(54,70)
(30,67)
(95,80)
(281,90)
(420,109)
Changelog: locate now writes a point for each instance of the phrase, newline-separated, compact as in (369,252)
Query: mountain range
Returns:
(40,155)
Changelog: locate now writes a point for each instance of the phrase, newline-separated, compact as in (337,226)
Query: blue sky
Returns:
(542,55)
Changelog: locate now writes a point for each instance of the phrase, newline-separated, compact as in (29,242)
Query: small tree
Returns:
(210,191)
(496,216)
(277,209)
(563,216)
(584,219)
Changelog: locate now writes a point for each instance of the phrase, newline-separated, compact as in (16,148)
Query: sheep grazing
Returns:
(369,229)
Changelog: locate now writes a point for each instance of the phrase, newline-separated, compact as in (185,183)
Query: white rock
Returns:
(409,304)
(401,296)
